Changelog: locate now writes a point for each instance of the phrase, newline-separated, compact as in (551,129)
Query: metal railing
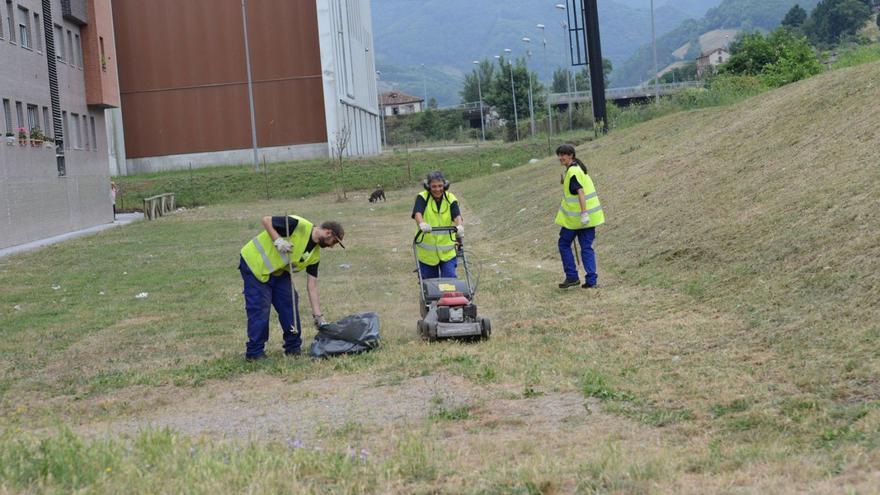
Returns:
(625,93)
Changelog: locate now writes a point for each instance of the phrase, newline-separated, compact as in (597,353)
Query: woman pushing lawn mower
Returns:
(437,207)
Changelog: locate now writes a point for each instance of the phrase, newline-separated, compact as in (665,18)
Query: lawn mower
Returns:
(447,305)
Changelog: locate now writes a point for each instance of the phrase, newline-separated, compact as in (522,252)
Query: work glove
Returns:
(282,245)
(460,230)
(585,218)
(319,321)
(424,227)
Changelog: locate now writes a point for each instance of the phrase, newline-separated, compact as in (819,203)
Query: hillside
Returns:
(730,14)
(730,347)
(447,35)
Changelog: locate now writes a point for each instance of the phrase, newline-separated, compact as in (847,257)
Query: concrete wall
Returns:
(230,157)
(35,202)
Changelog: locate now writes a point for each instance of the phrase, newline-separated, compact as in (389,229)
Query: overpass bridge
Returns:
(623,96)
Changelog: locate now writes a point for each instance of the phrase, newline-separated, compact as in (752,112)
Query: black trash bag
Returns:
(351,335)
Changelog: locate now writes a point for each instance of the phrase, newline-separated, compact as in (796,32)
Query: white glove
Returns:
(282,245)
(585,218)
(319,321)
(424,227)
(460,230)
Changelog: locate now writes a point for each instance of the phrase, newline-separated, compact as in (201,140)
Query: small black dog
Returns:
(378,194)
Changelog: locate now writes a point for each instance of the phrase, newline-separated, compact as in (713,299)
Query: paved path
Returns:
(121,219)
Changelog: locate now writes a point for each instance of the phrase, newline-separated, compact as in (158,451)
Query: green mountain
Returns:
(447,35)
(730,14)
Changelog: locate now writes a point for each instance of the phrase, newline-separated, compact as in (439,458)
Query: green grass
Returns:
(857,55)
(732,341)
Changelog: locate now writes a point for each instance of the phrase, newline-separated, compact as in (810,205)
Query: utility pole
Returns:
(513,91)
(480,92)
(594,60)
(654,46)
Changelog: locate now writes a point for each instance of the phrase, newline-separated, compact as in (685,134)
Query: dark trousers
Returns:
(446,269)
(258,299)
(585,238)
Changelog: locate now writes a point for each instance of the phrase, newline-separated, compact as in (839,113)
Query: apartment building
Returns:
(57,77)
(184,73)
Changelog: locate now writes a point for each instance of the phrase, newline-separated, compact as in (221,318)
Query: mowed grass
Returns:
(731,347)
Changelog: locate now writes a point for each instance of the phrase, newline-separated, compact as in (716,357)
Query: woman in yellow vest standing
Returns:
(578,215)
(285,242)
(436,207)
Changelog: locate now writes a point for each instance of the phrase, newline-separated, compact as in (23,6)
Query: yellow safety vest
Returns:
(435,248)
(264,260)
(569,214)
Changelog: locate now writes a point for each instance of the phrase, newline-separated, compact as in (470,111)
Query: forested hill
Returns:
(730,14)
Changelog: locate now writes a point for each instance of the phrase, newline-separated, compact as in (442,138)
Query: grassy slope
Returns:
(732,344)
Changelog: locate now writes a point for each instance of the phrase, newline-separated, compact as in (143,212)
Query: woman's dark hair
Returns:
(567,149)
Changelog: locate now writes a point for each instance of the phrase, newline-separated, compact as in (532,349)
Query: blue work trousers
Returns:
(446,269)
(258,298)
(585,238)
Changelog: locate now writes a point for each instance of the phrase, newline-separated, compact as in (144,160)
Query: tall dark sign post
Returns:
(583,32)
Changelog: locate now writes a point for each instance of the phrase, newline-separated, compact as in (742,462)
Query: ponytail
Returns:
(579,163)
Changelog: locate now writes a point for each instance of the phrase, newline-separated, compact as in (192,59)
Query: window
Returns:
(47,122)
(20,114)
(33,117)
(59,43)
(69,53)
(1,25)
(65,130)
(88,145)
(79,131)
(38,32)
(7,112)
(10,19)
(94,134)
(78,49)
(24,27)
(103,56)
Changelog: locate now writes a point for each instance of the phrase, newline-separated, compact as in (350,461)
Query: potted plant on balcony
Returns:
(22,136)
(36,137)
(10,138)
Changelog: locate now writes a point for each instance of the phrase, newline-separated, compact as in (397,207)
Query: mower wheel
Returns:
(486,328)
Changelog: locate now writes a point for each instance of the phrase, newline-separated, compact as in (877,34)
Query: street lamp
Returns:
(382,112)
(513,91)
(527,40)
(480,92)
(654,45)
(424,85)
(567,41)
(247,59)
(549,86)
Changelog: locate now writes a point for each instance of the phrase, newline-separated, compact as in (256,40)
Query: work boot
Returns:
(569,282)
(255,358)
(293,353)
(588,285)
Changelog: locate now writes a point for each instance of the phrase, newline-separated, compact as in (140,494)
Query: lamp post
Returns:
(382,113)
(527,40)
(247,60)
(549,87)
(424,85)
(566,40)
(654,46)
(480,92)
(513,91)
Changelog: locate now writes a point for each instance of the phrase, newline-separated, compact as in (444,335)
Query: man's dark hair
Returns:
(565,149)
(334,227)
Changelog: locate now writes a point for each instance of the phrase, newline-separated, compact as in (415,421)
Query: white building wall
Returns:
(348,65)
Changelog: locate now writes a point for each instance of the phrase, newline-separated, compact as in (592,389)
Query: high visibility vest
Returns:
(569,214)
(264,260)
(435,248)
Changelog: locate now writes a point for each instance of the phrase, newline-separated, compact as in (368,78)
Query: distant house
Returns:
(714,58)
(399,103)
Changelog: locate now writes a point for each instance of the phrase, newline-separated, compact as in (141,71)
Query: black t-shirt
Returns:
(574,185)
(421,204)
(281,224)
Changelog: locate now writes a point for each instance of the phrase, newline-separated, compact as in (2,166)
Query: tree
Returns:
(432,103)
(583,75)
(561,80)
(499,93)
(687,72)
(833,19)
(795,17)
(778,59)
(470,92)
